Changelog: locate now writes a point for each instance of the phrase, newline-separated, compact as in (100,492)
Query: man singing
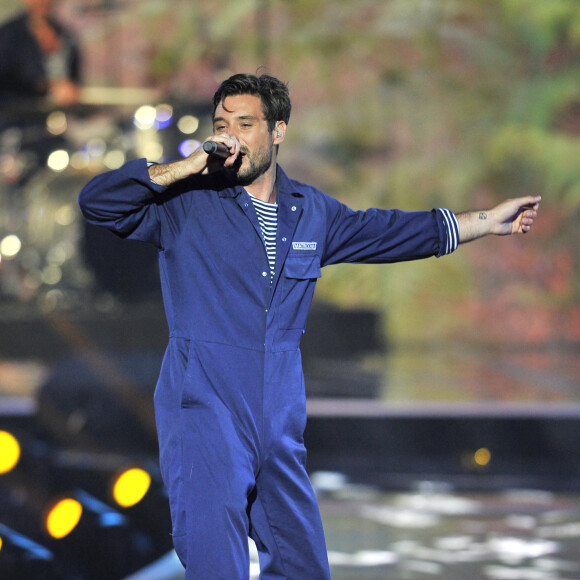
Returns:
(241,246)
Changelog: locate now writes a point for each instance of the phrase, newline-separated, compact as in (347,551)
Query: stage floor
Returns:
(435,533)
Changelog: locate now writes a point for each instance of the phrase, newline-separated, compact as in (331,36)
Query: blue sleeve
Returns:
(124,201)
(388,235)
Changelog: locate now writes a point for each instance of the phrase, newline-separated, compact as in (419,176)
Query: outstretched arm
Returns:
(512,216)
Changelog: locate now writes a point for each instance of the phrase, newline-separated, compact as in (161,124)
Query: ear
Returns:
(279,133)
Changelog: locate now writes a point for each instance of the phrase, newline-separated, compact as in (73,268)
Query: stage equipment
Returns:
(9,452)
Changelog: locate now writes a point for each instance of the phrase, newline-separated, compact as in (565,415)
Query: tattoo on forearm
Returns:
(482,215)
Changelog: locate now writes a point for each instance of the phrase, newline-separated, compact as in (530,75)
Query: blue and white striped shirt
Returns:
(452,230)
(268,219)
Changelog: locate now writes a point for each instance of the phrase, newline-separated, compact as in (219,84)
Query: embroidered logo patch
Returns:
(304,245)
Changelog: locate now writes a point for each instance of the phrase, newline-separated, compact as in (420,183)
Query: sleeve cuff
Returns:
(450,226)
(158,186)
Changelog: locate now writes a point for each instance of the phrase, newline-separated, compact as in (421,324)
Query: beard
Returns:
(257,164)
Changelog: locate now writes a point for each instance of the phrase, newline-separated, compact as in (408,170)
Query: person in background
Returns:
(39,57)
(241,246)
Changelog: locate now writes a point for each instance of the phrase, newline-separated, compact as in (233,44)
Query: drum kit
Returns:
(46,156)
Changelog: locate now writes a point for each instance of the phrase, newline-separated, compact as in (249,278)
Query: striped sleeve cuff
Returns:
(451,227)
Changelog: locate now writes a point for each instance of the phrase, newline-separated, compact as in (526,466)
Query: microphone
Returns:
(215,148)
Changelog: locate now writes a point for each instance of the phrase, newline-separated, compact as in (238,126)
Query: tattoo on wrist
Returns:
(482,215)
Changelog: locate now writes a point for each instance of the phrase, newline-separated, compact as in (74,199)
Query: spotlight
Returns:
(95,538)
(80,511)
(58,160)
(188,146)
(479,460)
(141,496)
(10,246)
(63,517)
(145,117)
(130,486)
(482,457)
(188,124)
(163,116)
(9,452)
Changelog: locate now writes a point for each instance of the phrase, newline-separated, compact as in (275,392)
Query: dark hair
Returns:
(273,93)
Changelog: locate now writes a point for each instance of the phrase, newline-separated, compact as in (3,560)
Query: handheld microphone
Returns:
(215,148)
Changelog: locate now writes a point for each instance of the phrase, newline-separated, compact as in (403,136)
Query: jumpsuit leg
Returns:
(217,479)
(285,520)
(208,436)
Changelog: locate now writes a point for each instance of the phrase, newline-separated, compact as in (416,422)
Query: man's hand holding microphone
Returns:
(213,154)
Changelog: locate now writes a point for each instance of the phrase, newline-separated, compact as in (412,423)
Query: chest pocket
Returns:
(299,279)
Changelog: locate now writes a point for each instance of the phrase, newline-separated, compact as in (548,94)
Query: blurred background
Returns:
(463,370)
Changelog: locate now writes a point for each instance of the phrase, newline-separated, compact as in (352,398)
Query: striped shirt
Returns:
(268,219)
(450,221)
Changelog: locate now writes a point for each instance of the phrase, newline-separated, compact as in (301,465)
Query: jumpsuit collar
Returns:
(290,208)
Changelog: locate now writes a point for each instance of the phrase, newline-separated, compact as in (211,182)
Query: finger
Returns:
(235,147)
(528,202)
(235,150)
(527,221)
(228,147)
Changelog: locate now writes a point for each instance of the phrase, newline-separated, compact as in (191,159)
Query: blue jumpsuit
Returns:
(230,401)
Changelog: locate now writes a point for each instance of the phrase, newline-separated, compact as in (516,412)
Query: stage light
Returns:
(114,159)
(10,246)
(482,457)
(188,124)
(58,160)
(63,517)
(130,487)
(163,116)
(64,216)
(56,123)
(188,146)
(80,160)
(9,452)
(95,148)
(152,150)
(145,117)
(51,275)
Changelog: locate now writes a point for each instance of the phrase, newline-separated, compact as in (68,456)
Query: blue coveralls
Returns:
(230,402)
